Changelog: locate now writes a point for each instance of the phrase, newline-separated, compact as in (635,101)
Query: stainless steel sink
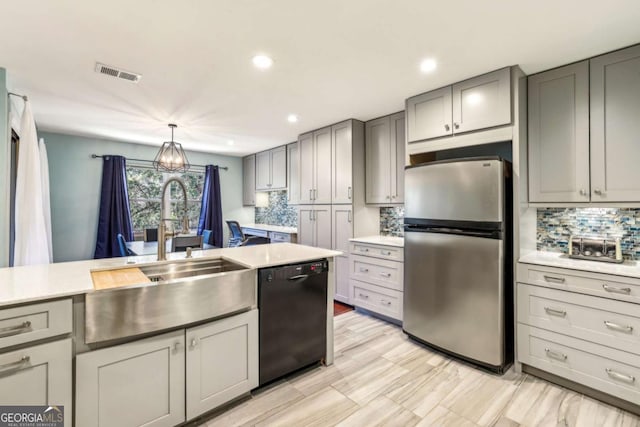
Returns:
(181,293)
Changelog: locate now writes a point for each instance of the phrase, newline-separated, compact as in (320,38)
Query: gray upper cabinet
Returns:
(482,102)
(222,362)
(293,174)
(314,160)
(478,103)
(271,169)
(307,173)
(429,115)
(615,126)
(342,183)
(559,134)
(384,159)
(249,180)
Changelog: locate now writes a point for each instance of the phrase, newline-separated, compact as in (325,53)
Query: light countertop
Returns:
(267,227)
(380,240)
(554,259)
(41,282)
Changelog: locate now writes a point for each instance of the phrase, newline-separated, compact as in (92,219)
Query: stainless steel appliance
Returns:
(292,303)
(457,259)
(596,249)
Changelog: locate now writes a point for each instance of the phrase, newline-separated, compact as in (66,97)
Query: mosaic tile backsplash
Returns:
(556,225)
(278,212)
(392,221)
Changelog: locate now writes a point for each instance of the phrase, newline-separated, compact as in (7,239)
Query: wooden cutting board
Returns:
(108,279)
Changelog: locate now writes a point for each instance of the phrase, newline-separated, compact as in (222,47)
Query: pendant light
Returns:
(171,157)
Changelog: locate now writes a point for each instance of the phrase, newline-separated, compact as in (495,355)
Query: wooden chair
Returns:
(181,243)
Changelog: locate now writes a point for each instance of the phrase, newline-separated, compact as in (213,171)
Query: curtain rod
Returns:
(97,156)
(24,97)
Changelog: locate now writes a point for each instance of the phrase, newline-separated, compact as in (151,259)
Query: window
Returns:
(145,186)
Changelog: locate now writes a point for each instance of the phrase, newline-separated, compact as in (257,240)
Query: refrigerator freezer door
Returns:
(454,294)
(456,191)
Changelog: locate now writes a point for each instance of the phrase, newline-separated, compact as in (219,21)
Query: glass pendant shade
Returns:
(171,157)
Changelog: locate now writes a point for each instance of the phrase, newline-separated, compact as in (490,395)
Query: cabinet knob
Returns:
(456,125)
(598,192)
(447,127)
(194,343)
(583,192)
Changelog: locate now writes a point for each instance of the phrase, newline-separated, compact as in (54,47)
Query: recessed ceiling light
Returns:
(292,118)
(262,61)
(230,142)
(428,65)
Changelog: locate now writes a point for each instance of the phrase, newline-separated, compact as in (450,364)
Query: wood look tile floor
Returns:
(381,378)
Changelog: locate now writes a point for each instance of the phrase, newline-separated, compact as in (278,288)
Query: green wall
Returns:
(75,188)
(5,140)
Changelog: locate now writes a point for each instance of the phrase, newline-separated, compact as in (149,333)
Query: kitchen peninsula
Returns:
(42,320)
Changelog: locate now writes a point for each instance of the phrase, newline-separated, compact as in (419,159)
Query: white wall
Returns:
(75,188)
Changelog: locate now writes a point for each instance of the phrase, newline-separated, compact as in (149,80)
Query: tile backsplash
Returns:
(392,221)
(556,225)
(278,212)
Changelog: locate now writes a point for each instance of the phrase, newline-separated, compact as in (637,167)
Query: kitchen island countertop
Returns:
(25,284)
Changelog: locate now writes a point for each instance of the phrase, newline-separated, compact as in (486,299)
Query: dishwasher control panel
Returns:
(293,272)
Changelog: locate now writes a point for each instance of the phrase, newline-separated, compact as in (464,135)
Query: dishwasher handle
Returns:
(298,277)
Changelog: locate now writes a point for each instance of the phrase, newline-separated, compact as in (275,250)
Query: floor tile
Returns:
(381,411)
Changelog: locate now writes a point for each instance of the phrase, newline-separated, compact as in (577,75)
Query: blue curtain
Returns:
(115,216)
(211,209)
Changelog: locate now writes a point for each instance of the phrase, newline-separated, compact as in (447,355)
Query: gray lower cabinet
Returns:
(559,134)
(141,383)
(222,362)
(342,226)
(39,375)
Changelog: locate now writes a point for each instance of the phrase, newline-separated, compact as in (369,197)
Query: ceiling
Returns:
(333,59)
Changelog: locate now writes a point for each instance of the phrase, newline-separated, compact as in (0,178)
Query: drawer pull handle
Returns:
(621,377)
(616,327)
(555,355)
(14,366)
(15,330)
(385,302)
(363,296)
(387,275)
(554,279)
(555,311)
(616,290)
(385,253)
(364,249)
(364,270)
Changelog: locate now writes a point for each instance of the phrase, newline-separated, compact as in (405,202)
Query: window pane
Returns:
(144,214)
(193,212)
(143,183)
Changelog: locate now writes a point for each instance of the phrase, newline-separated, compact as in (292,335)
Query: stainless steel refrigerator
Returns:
(457,259)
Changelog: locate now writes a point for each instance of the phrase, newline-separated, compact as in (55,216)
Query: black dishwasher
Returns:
(292,302)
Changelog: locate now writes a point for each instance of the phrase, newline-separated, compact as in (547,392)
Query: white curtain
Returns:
(46,200)
(31,239)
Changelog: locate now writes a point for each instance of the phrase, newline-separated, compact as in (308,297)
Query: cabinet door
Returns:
(342,292)
(615,126)
(377,167)
(342,226)
(249,180)
(322,166)
(397,147)
(263,171)
(341,138)
(322,223)
(559,135)
(306,168)
(306,226)
(222,362)
(429,115)
(279,168)
(293,172)
(482,102)
(38,375)
(133,384)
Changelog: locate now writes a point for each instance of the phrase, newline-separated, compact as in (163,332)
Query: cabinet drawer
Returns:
(602,285)
(393,253)
(33,322)
(279,237)
(608,322)
(372,270)
(255,232)
(601,368)
(375,298)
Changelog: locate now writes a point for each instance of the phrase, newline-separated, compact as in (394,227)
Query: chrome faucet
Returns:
(162,227)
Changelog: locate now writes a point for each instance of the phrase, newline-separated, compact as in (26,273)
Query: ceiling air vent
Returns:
(116,72)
